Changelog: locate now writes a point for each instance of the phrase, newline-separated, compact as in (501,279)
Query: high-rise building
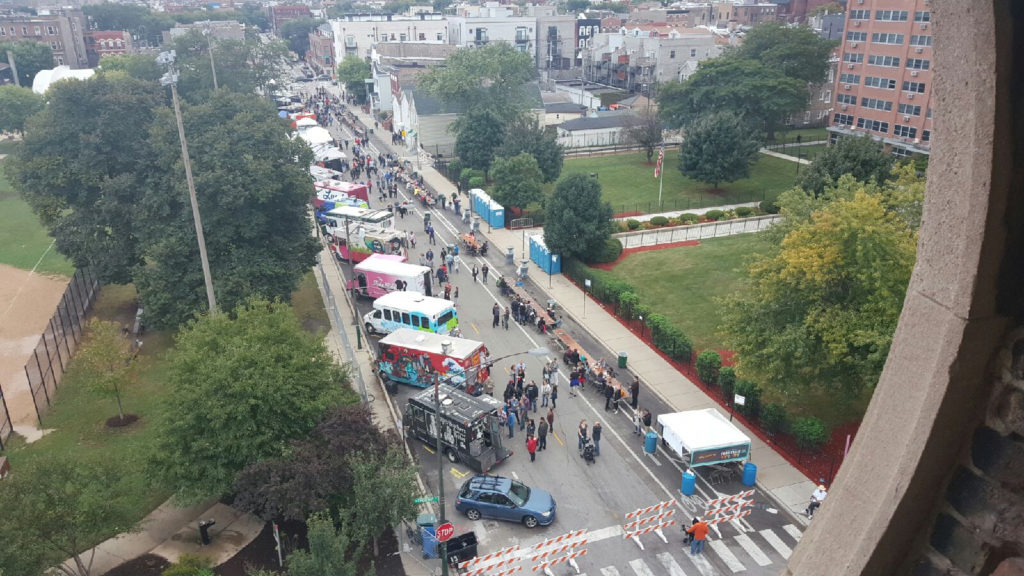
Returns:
(884,84)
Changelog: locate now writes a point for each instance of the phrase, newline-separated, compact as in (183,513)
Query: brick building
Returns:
(884,85)
(278,15)
(321,49)
(100,43)
(62,30)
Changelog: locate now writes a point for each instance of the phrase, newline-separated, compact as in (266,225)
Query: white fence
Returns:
(695,231)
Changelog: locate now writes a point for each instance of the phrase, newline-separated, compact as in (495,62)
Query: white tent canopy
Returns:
(305,122)
(327,152)
(45,78)
(704,437)
(315,135)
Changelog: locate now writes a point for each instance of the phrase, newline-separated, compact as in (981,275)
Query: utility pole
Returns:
(171,78)
(14,68)
(213,68)
(443,546)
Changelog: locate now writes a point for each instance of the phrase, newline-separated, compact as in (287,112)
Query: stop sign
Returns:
(445,532)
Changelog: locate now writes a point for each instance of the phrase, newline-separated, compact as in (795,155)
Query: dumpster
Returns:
(461,548)
(651,442)
(749,474)
(429,542)
(689,485)
(622,359)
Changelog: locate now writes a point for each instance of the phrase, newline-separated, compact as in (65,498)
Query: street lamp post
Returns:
(171,79)
(209,45)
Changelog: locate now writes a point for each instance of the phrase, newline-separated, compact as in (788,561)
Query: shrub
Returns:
(810,433)
(189,565)
(477,182)
(466,176)
(751,393)
(610,252)
(726,380)
(659,221)
(714,214)
(669,338)
(744,211)
(455,167)
(709,363)
(627,305)
(769,207)
(774,418)
(632,224)
(689,218)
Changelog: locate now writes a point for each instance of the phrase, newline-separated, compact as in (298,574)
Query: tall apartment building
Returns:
(62,30)
(884,85)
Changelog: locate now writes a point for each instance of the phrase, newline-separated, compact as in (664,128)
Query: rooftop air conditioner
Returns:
(910,96)
(846,86)
(918,49)
(906,118)
(913,73)
(850,65)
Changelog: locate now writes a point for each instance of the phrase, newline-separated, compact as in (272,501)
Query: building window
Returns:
(879,82)
(873,125)
(917,87)
(846,99)
(53,45)
(876,104)
(919,40)
(3,31)
(926,135)
(888,61)
(856,36)
(422,37)
(401,37)
(50,30)
(60,60)
(693,52)
(901,131)
(843,119)
(891,15)
(37,30)
(24,30)
(440,36)
(918,64)
(827,98)
(860,14)
(849,78)
(886,38)
(853,58)
(922,16)
(909,110)
(929,114)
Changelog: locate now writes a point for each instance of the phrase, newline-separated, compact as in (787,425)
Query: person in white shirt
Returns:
(817,497)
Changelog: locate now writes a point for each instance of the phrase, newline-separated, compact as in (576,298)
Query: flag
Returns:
(661,158)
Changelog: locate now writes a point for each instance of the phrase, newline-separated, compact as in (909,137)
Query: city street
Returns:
(594,497)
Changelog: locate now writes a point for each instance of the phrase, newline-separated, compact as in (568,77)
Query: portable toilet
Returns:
(539,253)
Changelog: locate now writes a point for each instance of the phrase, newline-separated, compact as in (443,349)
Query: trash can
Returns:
(476,224)
(622,359)
(510,255)
(689,485)
(749,474)
(524,268)
(462,547)
(651,442)
(429,542)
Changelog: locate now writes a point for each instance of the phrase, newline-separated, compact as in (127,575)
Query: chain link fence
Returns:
(59,340)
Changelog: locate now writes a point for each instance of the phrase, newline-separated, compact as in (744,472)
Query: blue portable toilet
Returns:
(651,442)
(541,256)
(429,542)
(689,484)
(749,474)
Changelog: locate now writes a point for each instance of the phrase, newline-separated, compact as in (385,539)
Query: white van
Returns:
(411,310)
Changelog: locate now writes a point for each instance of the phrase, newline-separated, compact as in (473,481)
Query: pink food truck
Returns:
(380,274)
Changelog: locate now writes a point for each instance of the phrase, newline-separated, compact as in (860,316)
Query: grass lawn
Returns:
(806,135)
(629,185)
(682,283)
(23,240)
(309,306)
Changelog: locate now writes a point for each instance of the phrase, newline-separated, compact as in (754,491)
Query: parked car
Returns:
(504,499)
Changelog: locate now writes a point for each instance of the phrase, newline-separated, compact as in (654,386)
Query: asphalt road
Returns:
(593,497)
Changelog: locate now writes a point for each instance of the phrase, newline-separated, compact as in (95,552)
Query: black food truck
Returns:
(470,432)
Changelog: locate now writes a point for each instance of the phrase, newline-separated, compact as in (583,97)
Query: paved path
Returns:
(803,161)
(674,213)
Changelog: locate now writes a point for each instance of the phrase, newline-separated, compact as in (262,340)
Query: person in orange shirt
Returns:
(699,530)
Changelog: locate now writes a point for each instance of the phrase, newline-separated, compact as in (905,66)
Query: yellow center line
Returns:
(553,433)
(456,472)
(472,325)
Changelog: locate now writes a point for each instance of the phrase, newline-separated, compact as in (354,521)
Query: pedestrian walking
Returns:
(532,391)
(523,406)
(430,230)
(637,422)
(609,391)
(554,395)
(581,434)
(542,435)
(504,318)
(634,391)
(574,382)
(551,419)
(511,424)
(496,312)
(545,393)
(475,271)
(531,447)
(647,419)
(456,262)
(616,396)
(455,297)
(595,433)
(531,428)
(700,535)
(485,270)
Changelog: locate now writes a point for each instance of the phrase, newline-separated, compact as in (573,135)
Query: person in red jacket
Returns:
(699,529)
(531,447)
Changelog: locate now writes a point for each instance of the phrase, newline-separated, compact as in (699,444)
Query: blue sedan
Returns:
(504,499)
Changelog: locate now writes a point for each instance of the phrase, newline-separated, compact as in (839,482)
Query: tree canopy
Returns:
(140,66)
(353,72)
(718,148)
(524,134)
(478,137)
(577,222)
(491,77)
(646,132)
(296,34)
(861,157)
(243,386)
(104,360)
(329,550)
(383,491)
(30,57)
(824,302)
(16,105)
(796,51)
(243,66)
(517,181)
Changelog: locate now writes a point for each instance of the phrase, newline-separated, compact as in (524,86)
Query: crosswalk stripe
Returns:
(670,564)
(640,568)
(609,571)
(752,549)
(776,543)
(793,531)
(727,556)
(703,566)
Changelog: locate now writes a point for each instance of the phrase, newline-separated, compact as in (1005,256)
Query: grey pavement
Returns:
(803,161)
(674,213)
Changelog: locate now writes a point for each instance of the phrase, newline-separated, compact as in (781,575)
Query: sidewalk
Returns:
(788,486)
(803,161)
(700,211)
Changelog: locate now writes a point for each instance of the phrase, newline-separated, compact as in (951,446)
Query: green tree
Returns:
(83,167)
(30,57)
(16,105)
(55,509)
(822,307)
(517,181)
(104,361)
(243,66)
(479,135)
(796,51)
(242,387)
(253,14)
(761,95)
(492,78)
(718,148)
(577,6)
(646,132)
(441,5)
(328,550)
(252,187)
(296,33)
(140,66)
(862,157)
(577,222)
(352,72)
(524,134)
(382,494)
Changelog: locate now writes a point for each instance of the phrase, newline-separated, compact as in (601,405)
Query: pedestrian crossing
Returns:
(749,552)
